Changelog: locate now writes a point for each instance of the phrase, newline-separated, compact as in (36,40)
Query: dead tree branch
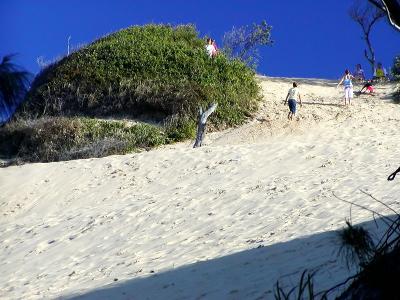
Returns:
(366,16)
(393,175)
(202,122)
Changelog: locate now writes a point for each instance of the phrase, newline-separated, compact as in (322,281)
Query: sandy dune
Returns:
(224,221)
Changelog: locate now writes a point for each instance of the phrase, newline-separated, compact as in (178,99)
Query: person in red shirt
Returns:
(369,88)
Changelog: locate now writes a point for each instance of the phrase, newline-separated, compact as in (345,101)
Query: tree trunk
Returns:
(371,57)
(201,124)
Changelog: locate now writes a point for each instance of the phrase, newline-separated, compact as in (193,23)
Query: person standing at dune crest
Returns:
(348,86)
(359,73)
(380,73)
(293,95)
(210,48)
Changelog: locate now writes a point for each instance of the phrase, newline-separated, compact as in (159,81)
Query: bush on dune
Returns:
(60,138)
(396,76)
(156,73)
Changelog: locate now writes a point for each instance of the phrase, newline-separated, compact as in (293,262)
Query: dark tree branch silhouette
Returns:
(366,16)
(14,83)
(392,10)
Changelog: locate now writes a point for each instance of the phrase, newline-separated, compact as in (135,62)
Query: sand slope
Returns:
(224,221)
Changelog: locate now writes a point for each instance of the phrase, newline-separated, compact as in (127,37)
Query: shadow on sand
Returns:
(249,274)
(322,103)
(310,81)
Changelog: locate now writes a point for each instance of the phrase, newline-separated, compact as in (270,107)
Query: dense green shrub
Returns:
(396,76)
(60,138)
(396,68)
(156,71)
(357,245)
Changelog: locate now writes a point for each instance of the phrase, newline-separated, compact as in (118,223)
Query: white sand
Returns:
(224,221)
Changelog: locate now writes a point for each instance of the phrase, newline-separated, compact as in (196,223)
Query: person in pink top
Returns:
(210,48)
(215,47)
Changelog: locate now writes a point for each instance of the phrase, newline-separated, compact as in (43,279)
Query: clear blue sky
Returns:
(313,38)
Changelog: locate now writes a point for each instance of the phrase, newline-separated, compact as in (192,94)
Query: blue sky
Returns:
(313,38)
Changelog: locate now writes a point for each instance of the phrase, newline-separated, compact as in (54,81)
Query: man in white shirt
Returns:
(293,95)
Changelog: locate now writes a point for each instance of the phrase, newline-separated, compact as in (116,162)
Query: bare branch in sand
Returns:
(202,122)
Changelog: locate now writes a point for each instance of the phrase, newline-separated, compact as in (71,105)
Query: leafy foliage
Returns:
(14,83)
(243,42)
(396,76)
(396,68)
(60,138)
(304,290)
(380,273)
(158,71)
(357,245)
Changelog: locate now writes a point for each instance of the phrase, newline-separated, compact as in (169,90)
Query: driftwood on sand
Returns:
(393,175)
(202,122)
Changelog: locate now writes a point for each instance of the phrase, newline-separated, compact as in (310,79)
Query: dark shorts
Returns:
(292,105)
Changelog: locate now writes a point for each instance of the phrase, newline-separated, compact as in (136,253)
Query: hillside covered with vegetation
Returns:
(158,75)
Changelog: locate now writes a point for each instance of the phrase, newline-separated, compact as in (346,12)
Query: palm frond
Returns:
(14,82)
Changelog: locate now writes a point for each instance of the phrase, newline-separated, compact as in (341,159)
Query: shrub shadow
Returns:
(240,275)
(321,103)
(310,81)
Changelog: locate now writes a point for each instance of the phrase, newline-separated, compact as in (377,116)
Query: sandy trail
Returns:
(224,221)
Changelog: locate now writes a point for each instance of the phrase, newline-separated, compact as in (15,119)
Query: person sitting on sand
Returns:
(348,86)
(380,73)
(293,95)
(359,73)
(211,51)
(369,88)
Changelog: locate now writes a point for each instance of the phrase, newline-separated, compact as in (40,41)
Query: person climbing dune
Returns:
(291,97)
(368,88)
(348,86)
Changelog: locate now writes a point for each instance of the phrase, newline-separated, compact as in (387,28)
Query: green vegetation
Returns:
(14,84)
(396,76)
(60,138)
(155,70)
(377,259)
(379,263)
(156,73)
(304,290)
(357,245)
(396,68)
(243,42)
(13,81)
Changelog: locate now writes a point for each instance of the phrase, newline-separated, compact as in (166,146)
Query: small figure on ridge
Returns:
(380,73)
(359,73)
(211,51)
